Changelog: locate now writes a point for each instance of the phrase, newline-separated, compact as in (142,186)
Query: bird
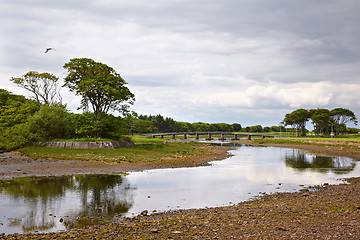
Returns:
(48,49)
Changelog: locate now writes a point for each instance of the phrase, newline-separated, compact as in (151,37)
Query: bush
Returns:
(49,122)
(15,137)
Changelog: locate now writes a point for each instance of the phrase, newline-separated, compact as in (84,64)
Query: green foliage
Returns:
(341,116)
(324,121)
(49,122)
(15,109)
(321,121)
(298,119)
(85,125)
(236,127)
(43,86)
(99,85)
(142,126)
(151,124)
(15,137)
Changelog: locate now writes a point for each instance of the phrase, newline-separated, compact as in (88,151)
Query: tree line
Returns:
(325,122)
(157,123)
(103,91)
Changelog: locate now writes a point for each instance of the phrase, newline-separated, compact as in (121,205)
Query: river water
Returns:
(45,204)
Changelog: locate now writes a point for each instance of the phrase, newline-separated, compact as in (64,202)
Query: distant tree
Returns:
(142,126)
(341,116)
(44,86)
(266,129)
(256,128)
(298,119)
(236,127)
(321,120)
(99,85)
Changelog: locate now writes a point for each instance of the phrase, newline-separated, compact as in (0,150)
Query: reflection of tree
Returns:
(39,193)
(302,161)
(36,187)
(100,200)
(101,195)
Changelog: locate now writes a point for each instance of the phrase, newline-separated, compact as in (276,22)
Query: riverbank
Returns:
(55,162)
(324,212)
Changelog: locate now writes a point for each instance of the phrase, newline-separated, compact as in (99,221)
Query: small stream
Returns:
(46,204)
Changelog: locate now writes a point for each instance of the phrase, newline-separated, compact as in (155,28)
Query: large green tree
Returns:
(44,86)
(99,85)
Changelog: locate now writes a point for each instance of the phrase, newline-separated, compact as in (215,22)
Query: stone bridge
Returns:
(234,136)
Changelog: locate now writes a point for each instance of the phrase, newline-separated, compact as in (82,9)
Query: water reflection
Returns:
(59,203)
(302,162)
(48,203)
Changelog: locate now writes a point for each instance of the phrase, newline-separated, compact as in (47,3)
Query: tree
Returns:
(99,85)
(341,116)
(298,119)
(236,127)
(321,120)
(44,86)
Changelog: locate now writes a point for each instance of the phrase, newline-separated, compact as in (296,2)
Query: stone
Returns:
(91,145)
(144,213)
(154,230)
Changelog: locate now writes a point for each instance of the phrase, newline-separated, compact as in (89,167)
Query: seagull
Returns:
(48,49)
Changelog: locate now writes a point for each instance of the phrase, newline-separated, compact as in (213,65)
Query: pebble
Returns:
(144,213)
(154,230)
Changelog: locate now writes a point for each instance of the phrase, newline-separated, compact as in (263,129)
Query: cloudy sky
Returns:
(233,61)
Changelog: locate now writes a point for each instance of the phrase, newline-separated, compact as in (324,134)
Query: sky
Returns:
(231,61)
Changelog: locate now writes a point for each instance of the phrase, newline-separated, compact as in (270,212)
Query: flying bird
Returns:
(48,49)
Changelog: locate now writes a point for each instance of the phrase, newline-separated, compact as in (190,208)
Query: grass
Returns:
(134,154)
(83,140)
(138,139)
(305,140)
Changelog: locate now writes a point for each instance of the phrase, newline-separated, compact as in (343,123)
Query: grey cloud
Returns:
(221,47)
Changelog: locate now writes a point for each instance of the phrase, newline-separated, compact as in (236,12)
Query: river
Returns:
(46,204)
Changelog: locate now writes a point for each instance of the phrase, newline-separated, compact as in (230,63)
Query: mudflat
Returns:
(322,212)
(14,164)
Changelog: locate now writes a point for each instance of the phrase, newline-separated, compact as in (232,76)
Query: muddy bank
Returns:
(323,212)
(326,212)
(16,165)
(343,149)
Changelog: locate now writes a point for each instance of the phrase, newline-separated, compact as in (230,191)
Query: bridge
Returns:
(235,136)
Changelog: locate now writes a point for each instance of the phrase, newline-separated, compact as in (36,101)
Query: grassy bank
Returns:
(134,154)
(308,141)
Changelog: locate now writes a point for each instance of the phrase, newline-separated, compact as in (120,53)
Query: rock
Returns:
(154,230)
(144,213)
(304,190)
(282,229)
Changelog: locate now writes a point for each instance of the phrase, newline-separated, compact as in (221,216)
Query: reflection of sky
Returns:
(19,214)
(251,171)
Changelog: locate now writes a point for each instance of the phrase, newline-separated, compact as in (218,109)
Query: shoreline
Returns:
(326,212)
(16,165)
